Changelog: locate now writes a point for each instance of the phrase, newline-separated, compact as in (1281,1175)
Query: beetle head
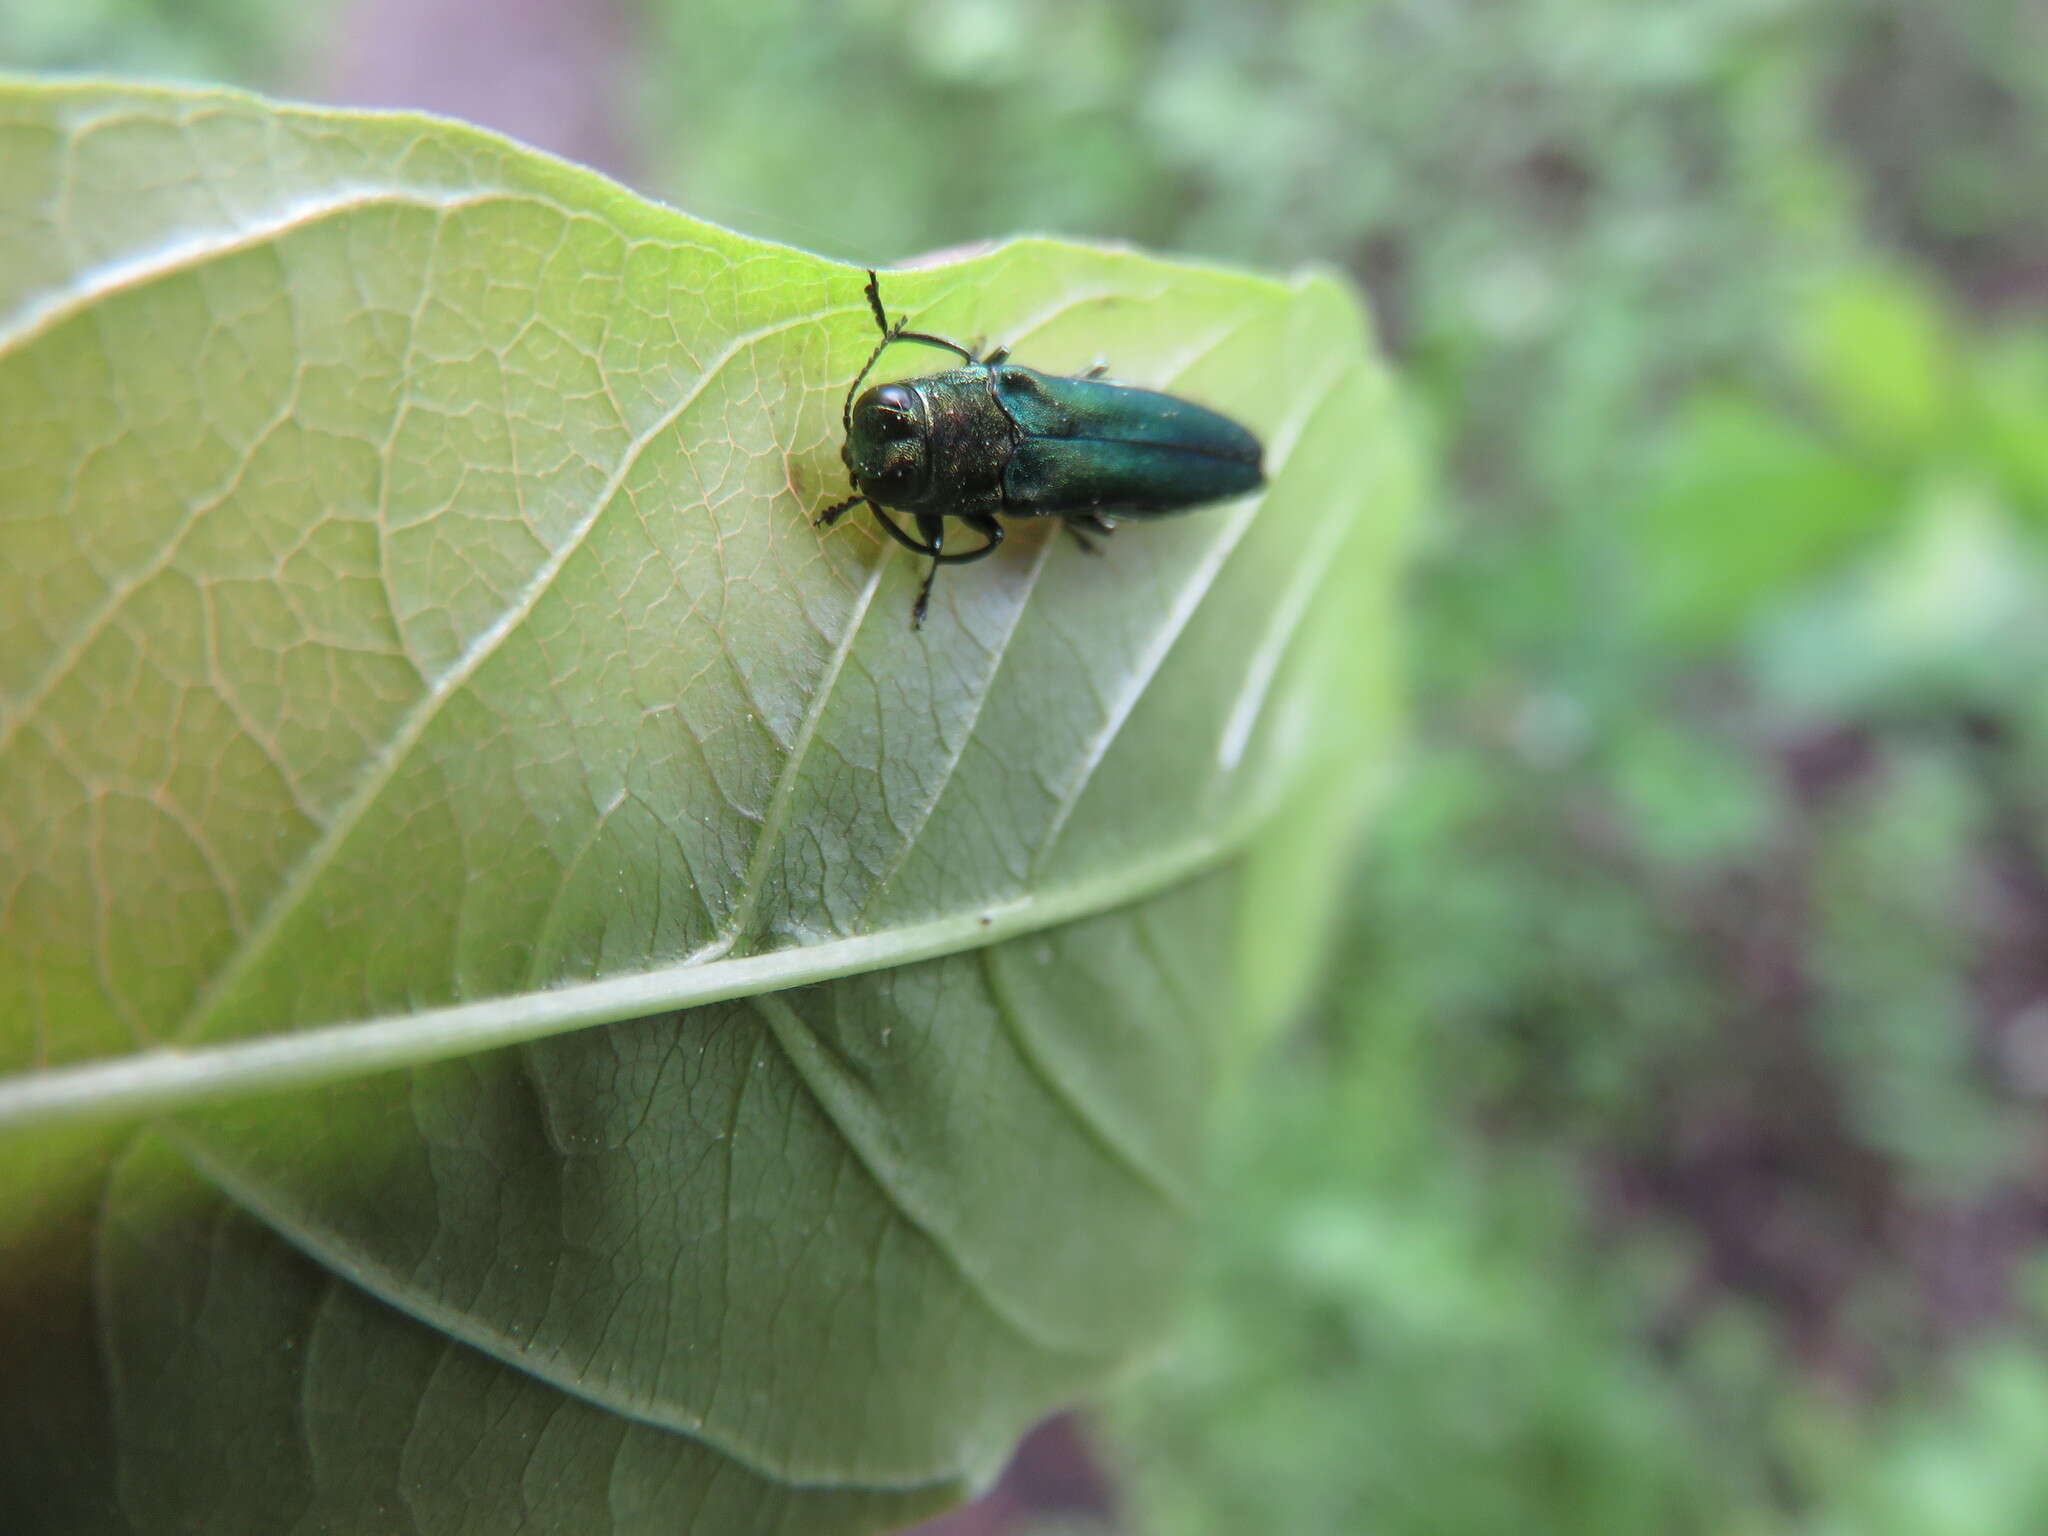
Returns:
(886,440)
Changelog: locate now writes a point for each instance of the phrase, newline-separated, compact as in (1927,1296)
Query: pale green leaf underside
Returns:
(413,642)
(406,559)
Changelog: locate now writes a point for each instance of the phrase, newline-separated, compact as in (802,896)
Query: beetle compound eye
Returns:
(895,413)
(885,446)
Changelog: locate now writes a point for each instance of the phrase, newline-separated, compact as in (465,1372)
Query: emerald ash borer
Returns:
(992,438)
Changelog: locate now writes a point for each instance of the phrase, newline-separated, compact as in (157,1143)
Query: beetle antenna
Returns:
(889,334)
(874,293)
(893,333)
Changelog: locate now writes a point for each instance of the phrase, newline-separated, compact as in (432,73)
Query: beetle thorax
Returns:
(932,444)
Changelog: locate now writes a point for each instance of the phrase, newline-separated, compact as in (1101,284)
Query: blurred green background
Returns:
(1668,1153)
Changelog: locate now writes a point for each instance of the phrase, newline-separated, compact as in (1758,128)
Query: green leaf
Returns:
(1929,620)
(1878,350)
(529,997)
(2007,425)
(1748,507)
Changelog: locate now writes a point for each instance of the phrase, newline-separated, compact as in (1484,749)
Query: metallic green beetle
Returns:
(992,438)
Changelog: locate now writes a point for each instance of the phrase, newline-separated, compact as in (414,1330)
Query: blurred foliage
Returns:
(1670,1153)
(1669,1156)
(237,42)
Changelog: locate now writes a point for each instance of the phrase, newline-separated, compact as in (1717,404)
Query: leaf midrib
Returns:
(159,1081)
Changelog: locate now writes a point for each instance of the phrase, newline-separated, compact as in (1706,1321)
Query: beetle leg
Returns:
(837,510)
(1095,522)
(1097,371)
(933,527)
(988,528)
(890,527)
(1000,355)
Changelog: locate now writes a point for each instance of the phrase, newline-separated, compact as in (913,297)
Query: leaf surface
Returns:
(529,997)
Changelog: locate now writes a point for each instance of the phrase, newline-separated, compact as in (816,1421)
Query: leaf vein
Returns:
(384,766)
